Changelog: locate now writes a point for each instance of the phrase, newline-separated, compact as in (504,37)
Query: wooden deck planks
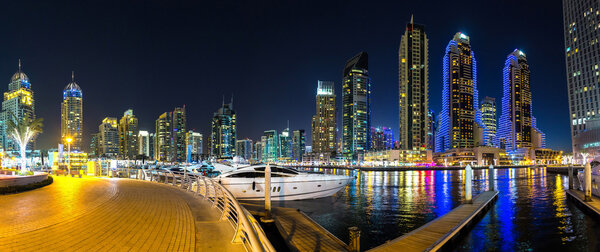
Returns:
(303,234)
(436,233)
(593,206)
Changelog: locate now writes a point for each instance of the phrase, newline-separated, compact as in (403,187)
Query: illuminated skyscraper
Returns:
(194,139)
(324,124)
(285,145)
(460,118)
(162,140)
(223,134)
(488,116)
(414,88)
(128,129)
(18,102)
(244,148)
(271,149)
(143,143)
(356,103)
(517,124)
(431,130)
(298,145)
(178,135)
(108,138)
(581,31)
(71,115)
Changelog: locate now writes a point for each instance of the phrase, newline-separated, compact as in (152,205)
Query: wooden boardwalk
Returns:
(592,206)
(303,234)
(93,214)
(435,234)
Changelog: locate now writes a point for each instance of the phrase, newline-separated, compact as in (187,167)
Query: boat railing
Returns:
(247,229)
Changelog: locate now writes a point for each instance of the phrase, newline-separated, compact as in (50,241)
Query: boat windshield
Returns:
(253,175)
(277,169)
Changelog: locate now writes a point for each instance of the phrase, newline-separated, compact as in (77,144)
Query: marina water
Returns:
(532,211)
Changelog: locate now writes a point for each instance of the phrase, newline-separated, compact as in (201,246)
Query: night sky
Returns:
(152,56)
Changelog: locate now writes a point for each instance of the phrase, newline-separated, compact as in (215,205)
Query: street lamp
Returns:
(69,140)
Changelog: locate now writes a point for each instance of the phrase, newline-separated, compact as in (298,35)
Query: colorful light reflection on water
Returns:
(532,211)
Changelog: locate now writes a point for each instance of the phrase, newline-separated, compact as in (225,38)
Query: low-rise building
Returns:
(480,156)
(398,157)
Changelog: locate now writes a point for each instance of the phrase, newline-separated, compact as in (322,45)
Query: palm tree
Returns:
(23,131)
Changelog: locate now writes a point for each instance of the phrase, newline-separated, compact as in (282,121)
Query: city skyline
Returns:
(133,76)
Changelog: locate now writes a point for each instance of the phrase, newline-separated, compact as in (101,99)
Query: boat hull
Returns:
(286,188)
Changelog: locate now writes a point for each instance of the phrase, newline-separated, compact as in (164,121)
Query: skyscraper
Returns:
(71,115)
(128,129)
(285,145)
(108,138)
(460,118)
(178,135)
(298,145)
(414,88)
(488,116)
(18,102)
(431,130)
(144,143)
(324,124)
(223,134)
(517,124)
(244,148)
(162,140)
(581,33)
(194,140)
(382,138)
(271,149)
(356,103)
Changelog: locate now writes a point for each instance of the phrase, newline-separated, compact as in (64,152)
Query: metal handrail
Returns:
(246,227)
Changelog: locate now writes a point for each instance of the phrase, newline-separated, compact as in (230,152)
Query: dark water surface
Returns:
(532,211)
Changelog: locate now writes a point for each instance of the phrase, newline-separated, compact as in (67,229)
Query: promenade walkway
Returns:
(92,214)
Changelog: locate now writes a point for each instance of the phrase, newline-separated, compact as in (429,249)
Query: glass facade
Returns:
(356,107)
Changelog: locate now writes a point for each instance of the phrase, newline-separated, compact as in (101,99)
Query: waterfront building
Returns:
(178,131)
(488,116)
(414,88)
(223,134)
(398,157)
(316,158)
(152,144)
(95,145)
(18,102)
(108,138)
(431,130)
(324,122)
(143,143)
(128,129)
(259,150)
(382,138)
(298,145)
(163,137)
(71,115)
(581,55)
(517,127)
(479,156)
(285,145)
(60,161)
(356,106)
(194,145)
(243,149)
(271,150)
(460,119)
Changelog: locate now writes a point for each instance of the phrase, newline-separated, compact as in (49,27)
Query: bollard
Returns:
(491,178)
(267,189)
(587,175)
(571,186)
(468,184)
(354,244)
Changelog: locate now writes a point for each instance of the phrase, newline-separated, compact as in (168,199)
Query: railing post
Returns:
(468,184)
(354,244)
(571,186)
(491,178)
(184,177)
(267,190)
(588,182)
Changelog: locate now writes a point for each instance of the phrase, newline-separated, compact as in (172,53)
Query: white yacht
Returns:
(248,183)
(595,177)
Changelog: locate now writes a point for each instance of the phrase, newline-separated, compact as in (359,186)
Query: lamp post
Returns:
(69,140)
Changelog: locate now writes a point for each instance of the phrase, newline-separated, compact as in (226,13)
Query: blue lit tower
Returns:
(460,118)
(517,128)
(71,114)
(223,134)
(356,106)
(18,101)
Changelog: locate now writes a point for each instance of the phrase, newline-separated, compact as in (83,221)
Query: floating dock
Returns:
(439,232)
(593,207)
(301,233)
